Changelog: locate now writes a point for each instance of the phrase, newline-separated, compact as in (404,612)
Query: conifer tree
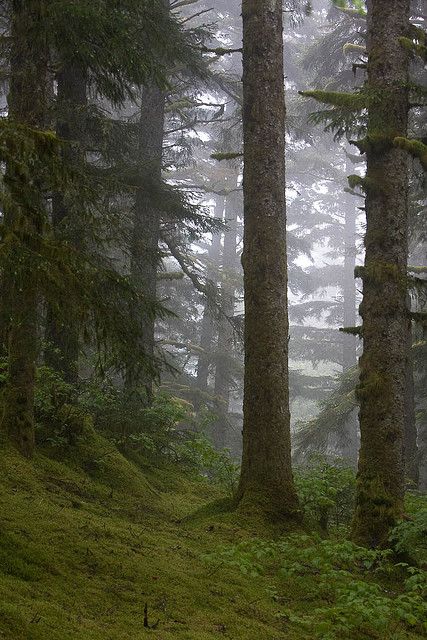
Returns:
(381,392)
(39,259)
(266,478)
(25,141)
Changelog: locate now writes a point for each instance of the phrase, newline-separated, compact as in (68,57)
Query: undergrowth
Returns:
(125,528)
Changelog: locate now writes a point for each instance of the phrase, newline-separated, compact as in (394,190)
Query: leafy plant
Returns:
(409,537)
(326,493)
(352,581)
(199,453)
(60,421)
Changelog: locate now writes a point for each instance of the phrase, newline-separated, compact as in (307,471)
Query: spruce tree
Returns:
(382,388)
(25,142)
(266,477)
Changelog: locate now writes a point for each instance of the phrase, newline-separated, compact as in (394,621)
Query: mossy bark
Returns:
(23,220)
(146,233)
(382,388)
(266,481)
(62,334)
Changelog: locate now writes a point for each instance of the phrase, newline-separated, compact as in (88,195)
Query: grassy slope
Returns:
(84,546)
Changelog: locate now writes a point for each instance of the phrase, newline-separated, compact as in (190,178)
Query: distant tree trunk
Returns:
(382,388)
(410,446)
(207,334)
(27,107)
(224,347)
(350,449)
(266,481)
(62,334)
(146,232)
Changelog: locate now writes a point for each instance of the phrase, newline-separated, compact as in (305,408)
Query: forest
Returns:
(213,319)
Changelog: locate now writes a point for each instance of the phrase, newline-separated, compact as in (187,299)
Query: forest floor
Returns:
(86,545)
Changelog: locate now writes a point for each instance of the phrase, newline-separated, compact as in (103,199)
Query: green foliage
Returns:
(60,421)
(131,424)
(358,6)
(350,582)
(199,453)
(409,537)
(326,493)
(124,44)
(317,434)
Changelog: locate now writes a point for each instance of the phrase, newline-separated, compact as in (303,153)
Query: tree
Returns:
(144,250)
(266,478)
(39,260)
(382,387)
(24,211)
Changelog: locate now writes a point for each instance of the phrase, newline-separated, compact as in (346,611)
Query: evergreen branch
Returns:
(352,331)
(230,155)
(221,51)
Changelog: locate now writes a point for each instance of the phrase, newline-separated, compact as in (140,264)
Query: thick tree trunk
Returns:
(62,335)
(146,232)
(382,388)
(224,347)
(266,479)
(27,107)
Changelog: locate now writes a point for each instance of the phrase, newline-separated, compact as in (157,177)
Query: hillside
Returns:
(86,545)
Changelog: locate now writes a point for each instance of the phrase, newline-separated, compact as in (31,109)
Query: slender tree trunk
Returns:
(208,326)
(382,388)
(146,232)
(23,220)
(266,479)
(224,348)
(62,335)
(410,446)
(350,449)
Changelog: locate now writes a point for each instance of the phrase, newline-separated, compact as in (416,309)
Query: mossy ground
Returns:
(86,543)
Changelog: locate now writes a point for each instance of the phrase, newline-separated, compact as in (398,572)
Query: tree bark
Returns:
(382,388)
(266,481)
(23,221)
(62,335)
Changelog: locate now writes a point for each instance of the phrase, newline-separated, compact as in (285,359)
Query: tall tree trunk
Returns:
(23,220)
(349,359)
(410,446)
(146,232)
(382,388)
(62,335)
(208,326)
(224,347)
(266,480)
